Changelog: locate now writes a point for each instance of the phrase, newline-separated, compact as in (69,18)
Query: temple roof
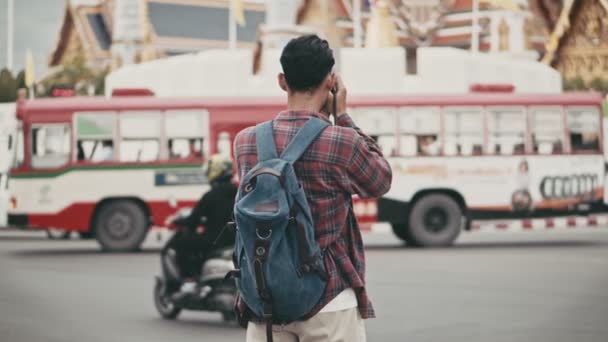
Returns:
(175,26)
(196,21)
(85,24)
(100,30)
(562,27)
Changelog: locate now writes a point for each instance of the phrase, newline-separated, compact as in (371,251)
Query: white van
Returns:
(7,146)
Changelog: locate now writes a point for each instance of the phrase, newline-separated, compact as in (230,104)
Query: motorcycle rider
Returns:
(188,248)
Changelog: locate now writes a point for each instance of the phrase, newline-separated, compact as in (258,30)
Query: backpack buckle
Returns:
(263,233)
(267,310)
(232,274)
(302,270)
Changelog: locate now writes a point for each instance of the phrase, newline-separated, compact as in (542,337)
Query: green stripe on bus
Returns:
(103,168)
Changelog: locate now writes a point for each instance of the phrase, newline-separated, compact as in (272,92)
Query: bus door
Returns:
(7,147)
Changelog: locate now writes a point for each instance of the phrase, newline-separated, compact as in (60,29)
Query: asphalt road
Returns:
(495,287)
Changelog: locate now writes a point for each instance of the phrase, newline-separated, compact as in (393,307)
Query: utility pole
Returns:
(10,25)
(232,25)
(357,29)
(475,28)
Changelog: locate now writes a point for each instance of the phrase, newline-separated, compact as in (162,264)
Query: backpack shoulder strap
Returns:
(264,137)
(305,136)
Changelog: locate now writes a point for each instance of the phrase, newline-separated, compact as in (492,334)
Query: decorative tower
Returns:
(281,23)
(129,31)
(381,31)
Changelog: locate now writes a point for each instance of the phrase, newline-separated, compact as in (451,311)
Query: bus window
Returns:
(547,129)
(378,123)
(50,145)
(224,144)
(463,131)
(507,130)
(139,136)
(95,133)
(584,128)
(139,150)
(185,148)
(419,129)
(186,132)
(95,150)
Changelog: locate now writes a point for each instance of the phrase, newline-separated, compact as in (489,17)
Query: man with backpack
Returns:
(299,251)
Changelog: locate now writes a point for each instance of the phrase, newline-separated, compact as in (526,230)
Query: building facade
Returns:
(117,32)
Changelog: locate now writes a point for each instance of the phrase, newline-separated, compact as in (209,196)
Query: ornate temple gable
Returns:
(579,44)
(548,11)
(422,18)
(426,22)
(589,29)
(82,33)
(65,33)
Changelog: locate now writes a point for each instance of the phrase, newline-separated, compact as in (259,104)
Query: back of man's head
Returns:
(306,61)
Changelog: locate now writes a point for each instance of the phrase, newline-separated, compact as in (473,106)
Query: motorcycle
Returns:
(211,291)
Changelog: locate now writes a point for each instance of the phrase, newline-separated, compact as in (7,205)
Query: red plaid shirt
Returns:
(342,162)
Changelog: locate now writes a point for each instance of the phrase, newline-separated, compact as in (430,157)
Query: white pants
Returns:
(339,326)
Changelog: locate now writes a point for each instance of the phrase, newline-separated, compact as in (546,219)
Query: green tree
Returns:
(599,84)
(8,86)
(77,75)
(574,84)
(21,80)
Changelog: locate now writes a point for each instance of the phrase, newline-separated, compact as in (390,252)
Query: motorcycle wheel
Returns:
(163,303)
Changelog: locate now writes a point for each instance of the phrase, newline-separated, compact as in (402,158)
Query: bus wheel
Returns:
(58,234)
(120,226)
(435,220)
(401,230)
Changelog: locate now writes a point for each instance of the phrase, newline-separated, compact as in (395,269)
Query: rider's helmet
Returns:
(218,168)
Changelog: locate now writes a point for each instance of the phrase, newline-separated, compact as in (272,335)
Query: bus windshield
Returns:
(17,154)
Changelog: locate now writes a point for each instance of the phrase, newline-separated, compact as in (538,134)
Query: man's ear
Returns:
(330,81)
(283,82)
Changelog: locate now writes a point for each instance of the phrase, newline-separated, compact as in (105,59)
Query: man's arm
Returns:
(199,211)
(369,174)
(244,146)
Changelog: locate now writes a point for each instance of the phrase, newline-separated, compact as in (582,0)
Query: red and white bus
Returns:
(457,159)
(112,168)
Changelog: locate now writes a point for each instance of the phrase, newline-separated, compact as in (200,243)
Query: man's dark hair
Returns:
(306,61)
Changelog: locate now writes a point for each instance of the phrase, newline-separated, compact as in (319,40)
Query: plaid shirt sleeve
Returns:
(368,174)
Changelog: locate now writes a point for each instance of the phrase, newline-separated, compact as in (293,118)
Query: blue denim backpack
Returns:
(282,275)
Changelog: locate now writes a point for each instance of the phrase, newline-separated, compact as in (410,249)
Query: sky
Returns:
(37,24)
